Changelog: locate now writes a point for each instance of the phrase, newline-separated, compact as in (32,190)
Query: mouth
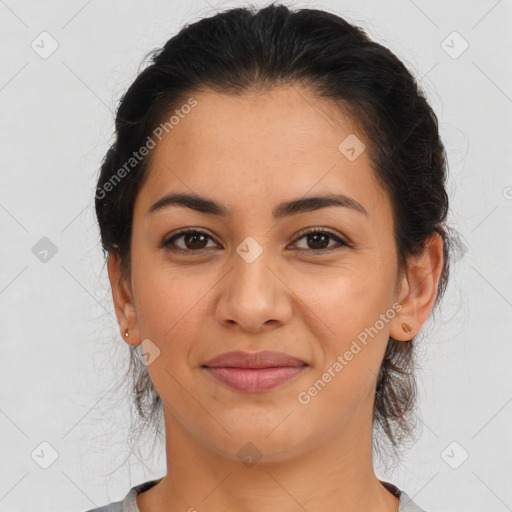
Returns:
(254,372)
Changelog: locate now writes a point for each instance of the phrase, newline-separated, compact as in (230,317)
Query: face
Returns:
(251,280)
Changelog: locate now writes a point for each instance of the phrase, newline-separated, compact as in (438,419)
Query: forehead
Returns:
(264,146)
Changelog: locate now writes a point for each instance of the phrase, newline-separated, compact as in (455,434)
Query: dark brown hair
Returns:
(245,49)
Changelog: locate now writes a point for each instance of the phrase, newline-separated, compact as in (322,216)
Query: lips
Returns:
(264,359)
(254,372)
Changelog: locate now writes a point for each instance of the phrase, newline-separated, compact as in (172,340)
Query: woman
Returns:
(273,211)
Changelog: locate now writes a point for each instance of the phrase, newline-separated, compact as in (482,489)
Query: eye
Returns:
(318,238)
(195,240)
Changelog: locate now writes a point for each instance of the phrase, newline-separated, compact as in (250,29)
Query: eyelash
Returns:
(168,243)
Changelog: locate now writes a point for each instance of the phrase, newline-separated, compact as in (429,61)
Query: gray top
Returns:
(129,504)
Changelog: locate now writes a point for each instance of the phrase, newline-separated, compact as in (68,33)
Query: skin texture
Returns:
(249,153)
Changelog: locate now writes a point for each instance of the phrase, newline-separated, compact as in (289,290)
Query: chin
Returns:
(253,444)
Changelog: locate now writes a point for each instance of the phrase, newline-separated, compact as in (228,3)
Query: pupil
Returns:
(316,236)
(193,236)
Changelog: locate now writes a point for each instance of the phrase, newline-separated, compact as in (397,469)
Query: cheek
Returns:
(356,308)
(347,302)
(172,310)
(167,300)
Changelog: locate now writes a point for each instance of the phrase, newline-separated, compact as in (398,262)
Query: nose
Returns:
(254,295)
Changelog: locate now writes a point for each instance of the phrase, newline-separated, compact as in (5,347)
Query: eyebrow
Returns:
(283,209)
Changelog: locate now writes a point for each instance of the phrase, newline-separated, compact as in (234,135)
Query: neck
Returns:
(333,476)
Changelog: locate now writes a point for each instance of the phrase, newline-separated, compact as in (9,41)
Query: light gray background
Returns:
(61,352)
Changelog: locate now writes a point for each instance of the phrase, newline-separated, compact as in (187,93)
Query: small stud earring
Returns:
(406,327)
(126,333)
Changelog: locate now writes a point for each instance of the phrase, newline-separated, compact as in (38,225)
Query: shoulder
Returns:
(406,504)
(129,502)
(111,507)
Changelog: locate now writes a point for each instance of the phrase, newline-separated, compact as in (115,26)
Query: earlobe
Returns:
(406,327)
(123,303)
(418,290)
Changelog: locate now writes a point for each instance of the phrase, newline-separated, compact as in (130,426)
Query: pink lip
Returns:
(253,372)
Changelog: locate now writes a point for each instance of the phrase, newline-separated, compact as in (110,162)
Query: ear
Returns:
(123,301)
(418,289)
